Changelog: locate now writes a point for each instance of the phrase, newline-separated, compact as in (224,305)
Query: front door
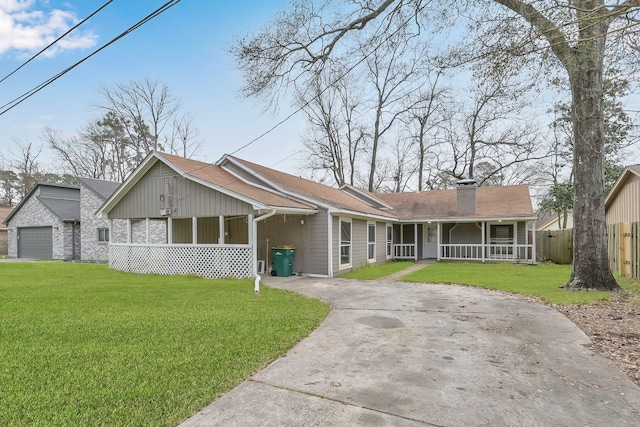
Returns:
(430,239)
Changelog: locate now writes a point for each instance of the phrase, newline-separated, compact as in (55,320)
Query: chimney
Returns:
(466,193)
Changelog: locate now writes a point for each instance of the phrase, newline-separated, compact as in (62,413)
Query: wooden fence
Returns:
(624,248)
(623,243)
(556,246)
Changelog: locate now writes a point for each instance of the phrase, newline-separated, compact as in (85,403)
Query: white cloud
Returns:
(26,29)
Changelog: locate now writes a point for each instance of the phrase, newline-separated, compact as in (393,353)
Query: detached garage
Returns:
(46,223)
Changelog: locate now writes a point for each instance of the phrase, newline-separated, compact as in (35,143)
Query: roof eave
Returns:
(617,186)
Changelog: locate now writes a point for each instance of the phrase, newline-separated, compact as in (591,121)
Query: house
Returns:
(4,232)
(622,204)
(552,222)
(57,221)
(622,213)
(217,220)
(94,231)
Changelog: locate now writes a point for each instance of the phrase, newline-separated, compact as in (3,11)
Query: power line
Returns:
(333,83)
(56,40)
(16,101)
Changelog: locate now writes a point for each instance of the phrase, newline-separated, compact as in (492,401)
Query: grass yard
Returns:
(377,271)
(541,280)
(85,345)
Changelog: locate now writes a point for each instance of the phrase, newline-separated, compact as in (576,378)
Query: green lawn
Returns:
(542,280)
(84,345)
(377,271)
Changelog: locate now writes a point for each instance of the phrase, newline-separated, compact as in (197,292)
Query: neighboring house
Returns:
(94,231)
(4,232)
(622,204)
(218,220)
(551,222)
(56,221)
(622,212)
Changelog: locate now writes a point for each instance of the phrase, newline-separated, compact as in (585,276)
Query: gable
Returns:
(623,201)
(163,187)
(61,200)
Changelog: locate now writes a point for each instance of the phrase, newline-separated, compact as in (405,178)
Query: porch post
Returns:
(330,244)
(253,241)
(170,230)
(146,224)
(221,230)
(534,254)
(484,238)
(415,241)
(194,230)
(129,230)
(438,239)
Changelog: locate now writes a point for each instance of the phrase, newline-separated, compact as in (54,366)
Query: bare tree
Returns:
(26,164)
(424,116)
(139,117)
(572,36)
(184,137)
(337,138)
(396,71)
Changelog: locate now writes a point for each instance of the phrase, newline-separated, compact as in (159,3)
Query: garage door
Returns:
(35,242)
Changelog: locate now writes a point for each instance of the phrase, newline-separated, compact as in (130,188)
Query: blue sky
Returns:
(185,48)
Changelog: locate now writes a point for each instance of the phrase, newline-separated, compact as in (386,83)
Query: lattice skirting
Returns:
(212,262)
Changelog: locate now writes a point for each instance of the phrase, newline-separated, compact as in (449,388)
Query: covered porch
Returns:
(509,240)
(214,246)
(210,247)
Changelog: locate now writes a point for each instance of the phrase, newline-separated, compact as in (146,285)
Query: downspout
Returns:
(256,286)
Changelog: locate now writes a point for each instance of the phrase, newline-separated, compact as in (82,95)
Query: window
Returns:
(103,235)
(371,241)
(389,240)
(345,243)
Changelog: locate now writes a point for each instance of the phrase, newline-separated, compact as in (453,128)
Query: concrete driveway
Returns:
(401,354)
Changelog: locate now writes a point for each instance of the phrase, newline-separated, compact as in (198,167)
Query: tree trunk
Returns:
(590,256)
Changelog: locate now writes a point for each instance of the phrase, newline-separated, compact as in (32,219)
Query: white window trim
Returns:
(369,224)
(340,245)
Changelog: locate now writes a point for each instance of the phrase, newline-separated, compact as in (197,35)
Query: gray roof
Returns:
(32,191)
(103,188)
(66,210)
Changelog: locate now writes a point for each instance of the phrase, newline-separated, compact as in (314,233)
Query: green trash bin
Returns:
(283,260)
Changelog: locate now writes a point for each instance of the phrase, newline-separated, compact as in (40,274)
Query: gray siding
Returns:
(308,233)
(59,193)
(358,244)
(522,232)
(381,242)
(187,198)
(318,247)
(465,232)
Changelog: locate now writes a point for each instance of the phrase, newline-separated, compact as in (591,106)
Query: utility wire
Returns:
(333,83)
(56,40)
(15,102)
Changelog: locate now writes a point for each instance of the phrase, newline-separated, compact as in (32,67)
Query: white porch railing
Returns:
(404,251)
(510,252)
(209,261)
